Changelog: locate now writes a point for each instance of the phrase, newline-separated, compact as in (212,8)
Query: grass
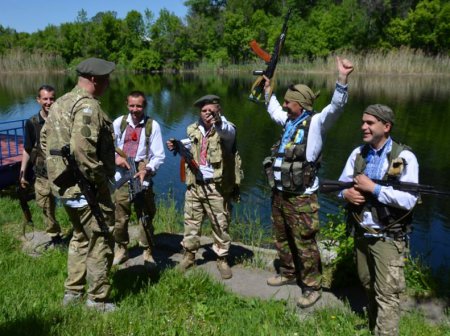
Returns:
(399,61)
(17,60)
(164,303)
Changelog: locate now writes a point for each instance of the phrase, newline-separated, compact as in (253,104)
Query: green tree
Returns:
(147,60)
(168,37)
(427,27)
(236,34)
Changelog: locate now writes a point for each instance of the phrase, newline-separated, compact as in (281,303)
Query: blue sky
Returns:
(31,15)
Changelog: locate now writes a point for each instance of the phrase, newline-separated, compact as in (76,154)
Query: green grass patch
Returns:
(163,303)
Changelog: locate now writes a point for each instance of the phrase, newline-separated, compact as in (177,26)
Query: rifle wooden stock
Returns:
(327,186)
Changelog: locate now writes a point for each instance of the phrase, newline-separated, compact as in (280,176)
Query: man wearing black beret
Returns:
(212,143)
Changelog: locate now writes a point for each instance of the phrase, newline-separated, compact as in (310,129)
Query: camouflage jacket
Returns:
(78,120)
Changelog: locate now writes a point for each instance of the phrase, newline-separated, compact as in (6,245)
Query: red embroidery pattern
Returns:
(131,143)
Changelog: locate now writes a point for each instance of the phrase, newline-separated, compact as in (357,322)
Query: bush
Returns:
(147,60)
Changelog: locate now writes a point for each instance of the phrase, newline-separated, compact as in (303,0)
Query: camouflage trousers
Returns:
(201,200)
(295,221)
(145,211)
(90,253)
(380,266)
(47,202)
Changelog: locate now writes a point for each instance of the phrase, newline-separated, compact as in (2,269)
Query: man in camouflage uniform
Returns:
(212,145)
(34,157)
(292,174)
(380,216)
(76,119)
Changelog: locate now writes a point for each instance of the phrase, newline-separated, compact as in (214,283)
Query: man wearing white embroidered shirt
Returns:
(139,137)
(211,142)
(292,174)
(380,216)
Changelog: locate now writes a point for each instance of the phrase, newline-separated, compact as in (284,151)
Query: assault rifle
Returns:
(72,176)
(327,186)
(186,156)
(257,93)
(136,191)
(136,187)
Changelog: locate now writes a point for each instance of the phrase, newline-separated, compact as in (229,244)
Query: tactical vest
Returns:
(148,130)
(396,221)
(37,156)
(297,173)
(228,173)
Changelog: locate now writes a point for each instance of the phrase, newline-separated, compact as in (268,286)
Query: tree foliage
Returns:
(218,31)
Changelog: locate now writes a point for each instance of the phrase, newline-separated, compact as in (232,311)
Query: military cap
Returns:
(95,67)
(301,94)
(208,99)
(382,112)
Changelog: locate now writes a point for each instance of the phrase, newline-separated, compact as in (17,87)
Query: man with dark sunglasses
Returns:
(292,174)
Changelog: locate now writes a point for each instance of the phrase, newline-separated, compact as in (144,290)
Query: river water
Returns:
(421,105)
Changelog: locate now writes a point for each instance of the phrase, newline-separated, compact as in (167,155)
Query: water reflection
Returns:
(421,106)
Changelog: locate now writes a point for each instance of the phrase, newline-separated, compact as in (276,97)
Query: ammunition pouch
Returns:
(297,176)
(268,169)
(295,153)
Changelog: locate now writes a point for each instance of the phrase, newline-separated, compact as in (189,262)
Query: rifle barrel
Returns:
(333,186)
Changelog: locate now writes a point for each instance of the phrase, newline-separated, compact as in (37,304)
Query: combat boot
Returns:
(280,280)
(72,297)
(102,307)
(187,262)
(120,254)
(309,297)
(224,268)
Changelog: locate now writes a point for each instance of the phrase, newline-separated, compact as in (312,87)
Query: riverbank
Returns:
(164,302)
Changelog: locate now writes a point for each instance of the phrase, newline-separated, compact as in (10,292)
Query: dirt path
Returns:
(251,282)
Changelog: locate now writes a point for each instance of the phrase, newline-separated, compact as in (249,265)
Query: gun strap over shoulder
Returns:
(148,129)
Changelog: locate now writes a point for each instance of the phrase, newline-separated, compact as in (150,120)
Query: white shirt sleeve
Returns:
(156,153)
(322,122)
(276,112)
(227,133)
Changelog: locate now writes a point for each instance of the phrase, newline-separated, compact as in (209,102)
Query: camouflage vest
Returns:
(228,173)
(396,221)
(297,174)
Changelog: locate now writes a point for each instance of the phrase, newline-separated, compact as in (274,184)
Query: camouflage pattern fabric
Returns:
(90,254)
(47,202)
(201,200)
(380,266)
(123,212)
(295,221)
(77,119)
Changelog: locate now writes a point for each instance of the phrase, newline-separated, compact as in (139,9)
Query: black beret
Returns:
(95,67)
(208,99)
